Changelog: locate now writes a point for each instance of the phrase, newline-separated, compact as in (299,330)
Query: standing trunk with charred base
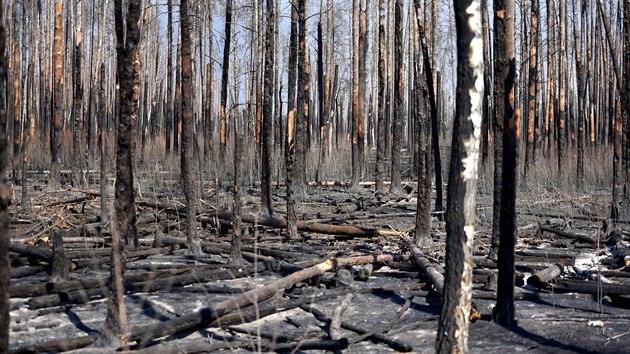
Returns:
(188,166)
(113,331)
(290,130)
(399,102)
(625,95)
(460,213)
(224,80)
(102,119)
(500,76)
(562,100)
(580,69)
(169,77)
(532,122)
(77,134)
(355,94)
(266,206)
(236,256)
(5,197)
(55,131)
(382,81)
(503,313)
(362,86)
(485,123)
(303,97)
(423,136)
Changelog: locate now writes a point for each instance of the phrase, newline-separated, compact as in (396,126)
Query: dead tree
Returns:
(58,87)
(562,100)
(266,205)
(77,134)
(423,136)
(503,313)
(5,200)
(113,331)
(355,94)
(102,119)
(399,102)
(168,120)
(236,256)
(460,213)
(485,123)
(303,97)
(224,80)
(382,82)
(188,166)
(532,102)
(500,75)
(290,130)
(625,95)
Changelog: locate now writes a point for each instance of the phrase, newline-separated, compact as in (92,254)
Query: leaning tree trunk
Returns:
(399,102)
(5,199)
(224,80)
(188,166)
(266,205)
(503,313)
(113,331)
(55,131)
(460,213)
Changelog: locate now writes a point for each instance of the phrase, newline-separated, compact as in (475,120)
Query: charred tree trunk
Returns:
(188,166)
(102,121)
(503,313)
(177,105)
(532,103)
(398,100)
(303,92)
(290,130)
(77,135)
(460,214)
(224,80)
(236,256)
(486,120)
(58,89)
(169,77)
(5,200)
(355,94)
(423,137)
(123,227)
(562,101)
(500,77)
(266,205)
(382,82)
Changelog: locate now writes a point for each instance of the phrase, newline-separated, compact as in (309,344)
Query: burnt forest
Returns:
(332,176)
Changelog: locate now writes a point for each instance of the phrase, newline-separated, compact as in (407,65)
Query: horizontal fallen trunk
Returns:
(542,278)
(571,235)
(205,316)
(428,268)
(590,287)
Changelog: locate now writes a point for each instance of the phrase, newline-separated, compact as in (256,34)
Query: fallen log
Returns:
(589,287)
(335,320)
(375,338)
(57,345)
(207,315)
(542,278)
(571,235)
(429,269)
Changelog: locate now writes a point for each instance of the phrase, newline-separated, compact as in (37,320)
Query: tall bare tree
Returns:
(267,118)
(398,100)
(382,83)
(303,98)
(460,213)
(532,102)
(58,97)
(169,76)
(78,139)
(290,130)
(224,79)
(5,192)
(503,313)
(123,226)
(189,170)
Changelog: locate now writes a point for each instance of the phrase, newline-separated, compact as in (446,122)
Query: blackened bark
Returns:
(266,205)
(485,123)
(177,105)
(382,81)
(59,268)
(503,313)
(169,77)
(290,130)
(460,213)
(224,80)
(500,76)
(188,166)
(124,221)
(5,198)
(77,134)
(399,104)
(362,87)
(530,145)
(303,92)
(55,131)
(102,119)
(236,256)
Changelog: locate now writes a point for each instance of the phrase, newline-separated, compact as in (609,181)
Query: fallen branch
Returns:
(566,234)
(335,321)
(207,315)
(428,268)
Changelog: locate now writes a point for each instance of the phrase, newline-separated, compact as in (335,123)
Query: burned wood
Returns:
(335,320)
(207,315)
(429,269)
(542,278)
(571,235)
(60,263)
(589,287)
(57,345)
